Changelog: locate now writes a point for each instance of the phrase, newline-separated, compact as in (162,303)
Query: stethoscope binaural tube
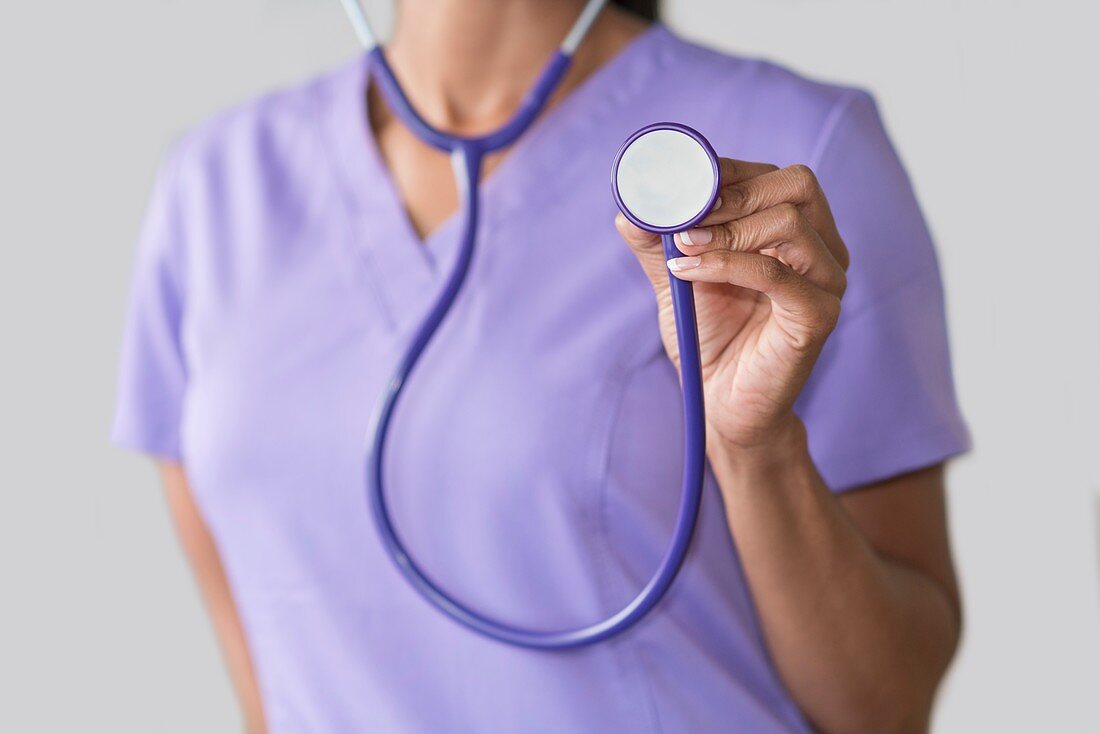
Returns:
(467,155)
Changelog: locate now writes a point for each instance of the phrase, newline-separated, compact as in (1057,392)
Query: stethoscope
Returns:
(665,179)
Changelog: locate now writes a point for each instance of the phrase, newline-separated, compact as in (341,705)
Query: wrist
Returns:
(780,451)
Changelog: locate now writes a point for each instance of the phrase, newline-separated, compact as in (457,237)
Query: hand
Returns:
(769,271)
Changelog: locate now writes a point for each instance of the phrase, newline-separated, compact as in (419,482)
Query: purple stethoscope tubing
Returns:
(467,154)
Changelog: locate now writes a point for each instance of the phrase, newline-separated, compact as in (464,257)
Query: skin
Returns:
(857,593)
(198,544)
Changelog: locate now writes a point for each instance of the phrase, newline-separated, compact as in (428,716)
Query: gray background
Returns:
(992,102)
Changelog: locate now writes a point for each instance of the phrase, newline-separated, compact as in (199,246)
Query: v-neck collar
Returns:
(408,270)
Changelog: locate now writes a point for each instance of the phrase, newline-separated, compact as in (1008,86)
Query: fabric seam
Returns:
(343,192)
(628,647)
(829,127)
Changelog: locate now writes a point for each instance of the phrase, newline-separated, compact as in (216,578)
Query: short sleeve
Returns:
(881,401)
(152,375)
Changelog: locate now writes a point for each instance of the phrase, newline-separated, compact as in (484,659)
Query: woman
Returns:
(294,243)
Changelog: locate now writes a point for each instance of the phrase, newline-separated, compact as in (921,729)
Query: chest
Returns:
(423,176)
(507,415)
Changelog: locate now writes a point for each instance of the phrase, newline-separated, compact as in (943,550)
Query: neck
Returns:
(466,64)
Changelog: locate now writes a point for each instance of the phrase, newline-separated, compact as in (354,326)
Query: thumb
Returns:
(647,247)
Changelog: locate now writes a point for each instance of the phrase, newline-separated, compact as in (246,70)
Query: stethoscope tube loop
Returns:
(467,155)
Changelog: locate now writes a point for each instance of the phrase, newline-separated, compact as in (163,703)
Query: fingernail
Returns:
(679,264)
(717,204)
(700,236)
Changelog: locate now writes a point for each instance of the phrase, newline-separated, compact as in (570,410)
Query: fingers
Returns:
(812,310)
(782,228)
(794,184)
(761,209)
(637,238)
(747,194)
(646,246)
(730,172)
(733,171)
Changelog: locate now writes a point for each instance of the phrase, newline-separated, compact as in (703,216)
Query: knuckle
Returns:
(826,314)
(841,284)
(831,312)
(735,235)
(791,220)
(804,178)
(728,169)
(805,340)
(773,270)
(844,257)
(736,197)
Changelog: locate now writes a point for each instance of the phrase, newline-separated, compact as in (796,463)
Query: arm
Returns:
(856,594)
(202,553)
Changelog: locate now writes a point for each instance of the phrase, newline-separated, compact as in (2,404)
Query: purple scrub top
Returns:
(535,459)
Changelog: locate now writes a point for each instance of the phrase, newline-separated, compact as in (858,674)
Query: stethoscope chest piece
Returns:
(665,178)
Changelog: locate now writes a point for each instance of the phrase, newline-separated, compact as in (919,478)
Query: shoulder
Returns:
(246,187)
(267,141)
(766,105)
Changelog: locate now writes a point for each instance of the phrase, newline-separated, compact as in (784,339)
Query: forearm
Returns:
(860,640)
(202,553)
